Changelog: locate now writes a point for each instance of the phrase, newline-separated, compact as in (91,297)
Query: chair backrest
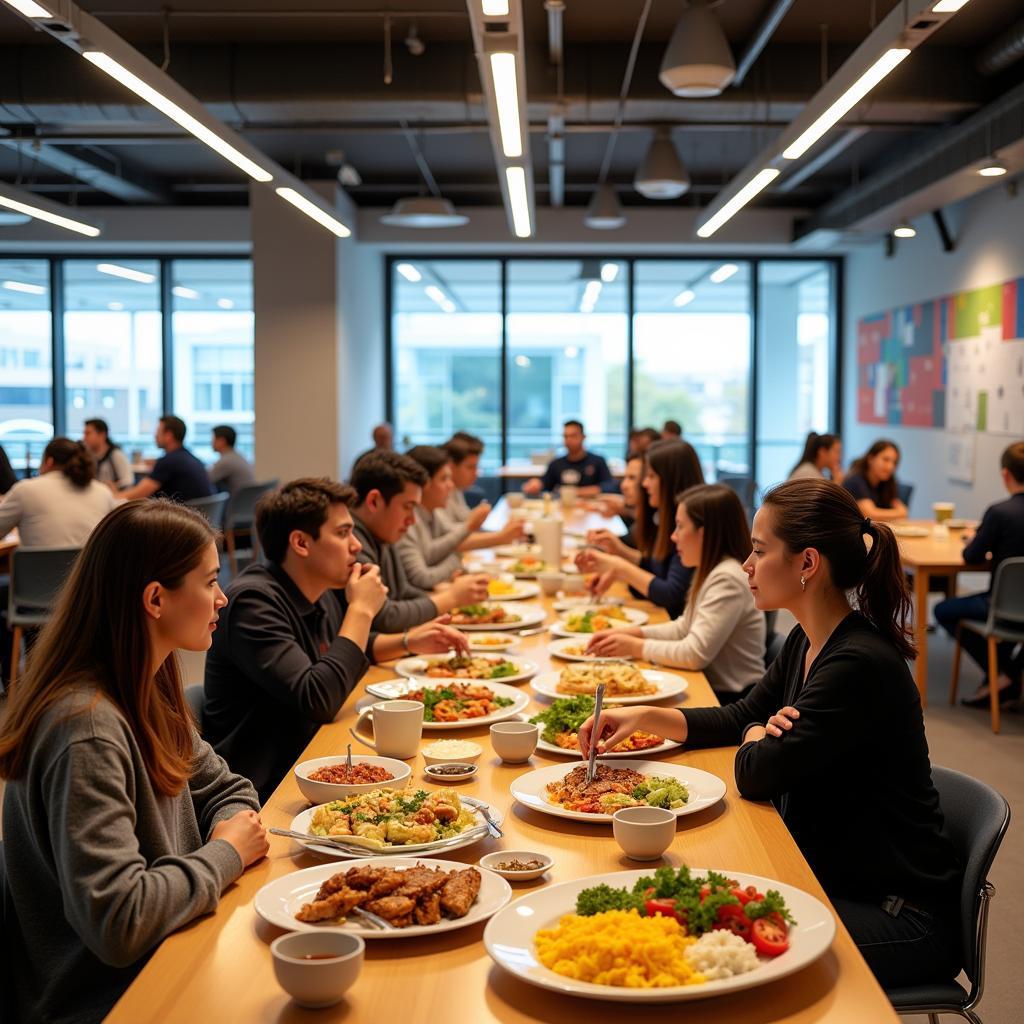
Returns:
(904,492)
(976,821)
(1007,601)
(37,574)
(243,505)
(195,697)
(212,507)
(744,486)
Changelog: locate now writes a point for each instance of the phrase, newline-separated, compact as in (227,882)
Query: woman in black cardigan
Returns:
(834,733)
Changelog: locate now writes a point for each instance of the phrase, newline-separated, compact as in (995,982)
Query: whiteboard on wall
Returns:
(960,456)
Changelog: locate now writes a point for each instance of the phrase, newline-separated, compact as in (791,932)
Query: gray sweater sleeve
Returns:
(120,905)
(217,793)
(428,560)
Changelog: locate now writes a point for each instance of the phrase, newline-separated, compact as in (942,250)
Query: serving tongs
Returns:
(595,733)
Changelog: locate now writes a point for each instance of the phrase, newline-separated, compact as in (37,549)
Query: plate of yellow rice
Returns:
(620,956)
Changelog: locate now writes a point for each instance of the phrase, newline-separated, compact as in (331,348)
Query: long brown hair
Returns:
(97,636)
(887,489)
(820,514)
(677,468)
(815,443)
(719,510)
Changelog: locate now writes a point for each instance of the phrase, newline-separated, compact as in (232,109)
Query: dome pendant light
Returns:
(698,62)
(662,174)
(604,213)
(424,212)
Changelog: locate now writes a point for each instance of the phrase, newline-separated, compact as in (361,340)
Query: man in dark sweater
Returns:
(289,651)
(1000,536)
(178,475)
(588,472)
(388,488)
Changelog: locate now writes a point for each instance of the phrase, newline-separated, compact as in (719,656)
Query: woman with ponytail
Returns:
(834,733)
(120,824)
(60,507)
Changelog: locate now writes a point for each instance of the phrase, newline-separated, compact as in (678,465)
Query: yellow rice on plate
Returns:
(619,947)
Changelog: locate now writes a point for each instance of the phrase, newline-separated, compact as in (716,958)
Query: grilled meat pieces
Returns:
(460,891)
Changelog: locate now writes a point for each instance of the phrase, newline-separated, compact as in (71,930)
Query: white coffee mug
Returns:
(397,728)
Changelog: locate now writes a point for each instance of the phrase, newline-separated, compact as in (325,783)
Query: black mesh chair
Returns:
(904,492)
(241,519)
(976,821)
(212,508)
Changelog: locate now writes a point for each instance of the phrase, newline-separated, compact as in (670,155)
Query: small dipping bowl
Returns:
(450,771)
(324,980)
(550,582)
(492,860)
(445,752)
(514,742)
(644,833)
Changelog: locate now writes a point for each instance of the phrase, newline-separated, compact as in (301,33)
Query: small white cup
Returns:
(574,583)
(397,728)
(550,582)
(514,742)
(319,982)
(568,494)
(644,833)
(515,499)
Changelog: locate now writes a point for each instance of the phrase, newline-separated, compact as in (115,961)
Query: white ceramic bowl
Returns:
(550,582)
(324,792)
(644,833)
(464,758)
(320,982)
(492,860)
(514,742)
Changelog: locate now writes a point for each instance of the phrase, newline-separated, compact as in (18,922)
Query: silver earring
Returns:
(803,583)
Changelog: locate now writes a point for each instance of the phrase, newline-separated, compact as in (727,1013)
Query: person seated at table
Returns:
(838,740)
(120,823)
(577,468)
(720,632)
(652,569)
(872,481)
(999,536)
(671,430)
(8,478)
(60,507)
(626,504)
(388,488)
(178,474)
(231,472)
(383,441)
(112,465)
(822,453)
(640,439)
(296,636)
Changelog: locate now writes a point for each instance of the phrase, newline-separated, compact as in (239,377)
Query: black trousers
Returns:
(914,948)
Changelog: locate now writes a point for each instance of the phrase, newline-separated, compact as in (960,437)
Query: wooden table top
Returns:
(934,552)
(9,542)
(219,968)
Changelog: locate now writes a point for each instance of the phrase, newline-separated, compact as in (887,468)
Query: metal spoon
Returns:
(348,762)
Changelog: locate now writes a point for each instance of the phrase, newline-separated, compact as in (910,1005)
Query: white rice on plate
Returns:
(721,954)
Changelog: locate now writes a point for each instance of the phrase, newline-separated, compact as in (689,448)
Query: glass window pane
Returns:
(26,372)
(113,353)
(446,331)
(567,341)
(795,362)
(692,327)
(212,335)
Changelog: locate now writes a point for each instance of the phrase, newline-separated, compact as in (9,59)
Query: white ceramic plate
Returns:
(278,901)
(911,531)
(518,551)
(527,573)
(395,689)
(584,601)
(663,748)
(563,649)
(509,935)
(418,666)
(526,615)
(705,789)
(634,617)
(476,642)
(669,685)
(300,823)
(522,590)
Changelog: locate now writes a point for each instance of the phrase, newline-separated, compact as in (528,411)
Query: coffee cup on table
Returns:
(514,742)
(943,511)
(397,728)
(569,493)
(644,833)
(317,968)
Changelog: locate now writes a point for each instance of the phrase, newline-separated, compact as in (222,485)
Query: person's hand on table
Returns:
(599,582)
(437,637)
(477,515)
(365,590)
(617,724)
(533,486)
(245,832)
(514,530)
(617,643)
(470,589)
(606,541)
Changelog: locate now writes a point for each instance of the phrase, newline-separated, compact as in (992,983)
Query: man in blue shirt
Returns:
(577,468)
(999,536)
(179,474)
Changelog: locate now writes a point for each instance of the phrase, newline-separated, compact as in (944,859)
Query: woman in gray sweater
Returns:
(120,824)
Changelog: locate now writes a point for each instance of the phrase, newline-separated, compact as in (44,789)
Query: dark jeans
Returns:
(914,948)
(949,612)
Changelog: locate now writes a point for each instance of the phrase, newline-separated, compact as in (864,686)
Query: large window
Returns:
(26,366)
(742,352)
(692,331)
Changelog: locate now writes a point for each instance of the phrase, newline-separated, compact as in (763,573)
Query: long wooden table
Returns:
(219,968)
(927,558)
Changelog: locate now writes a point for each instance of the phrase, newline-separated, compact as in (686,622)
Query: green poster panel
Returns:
(976,310)
(982,411)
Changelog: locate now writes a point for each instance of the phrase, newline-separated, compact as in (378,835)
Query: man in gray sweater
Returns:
(388,488)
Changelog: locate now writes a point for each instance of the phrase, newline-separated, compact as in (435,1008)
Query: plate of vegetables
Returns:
(482,667)
(564,717)
(452,703)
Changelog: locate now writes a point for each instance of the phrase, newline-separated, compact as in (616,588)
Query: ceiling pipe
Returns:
(556,41)
(1004,50)
(762,34)
(556,158)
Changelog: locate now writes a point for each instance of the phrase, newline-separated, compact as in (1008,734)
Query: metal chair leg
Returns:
(993,681)
(955,678)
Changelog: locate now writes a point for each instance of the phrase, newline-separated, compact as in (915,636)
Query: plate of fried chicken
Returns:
(414,896)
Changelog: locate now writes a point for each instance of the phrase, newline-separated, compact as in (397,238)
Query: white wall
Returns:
(989,250)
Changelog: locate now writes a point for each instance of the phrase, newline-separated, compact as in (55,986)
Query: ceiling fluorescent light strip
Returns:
(24,286)
(949,6)
(506,98)
(849,99)
(515,177)
(114,270)
(760,180)
(609,271)
(724,272)
(184,293)
(30,9)
(409,272)
(494,8)
(51,218)
(684,298)
(177,114)
(300,202)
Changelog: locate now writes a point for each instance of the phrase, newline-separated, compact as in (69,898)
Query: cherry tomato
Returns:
(666,907)
(732,919)
(747,894)
(768,937)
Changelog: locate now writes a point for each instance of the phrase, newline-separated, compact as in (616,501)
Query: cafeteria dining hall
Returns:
(511,511)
